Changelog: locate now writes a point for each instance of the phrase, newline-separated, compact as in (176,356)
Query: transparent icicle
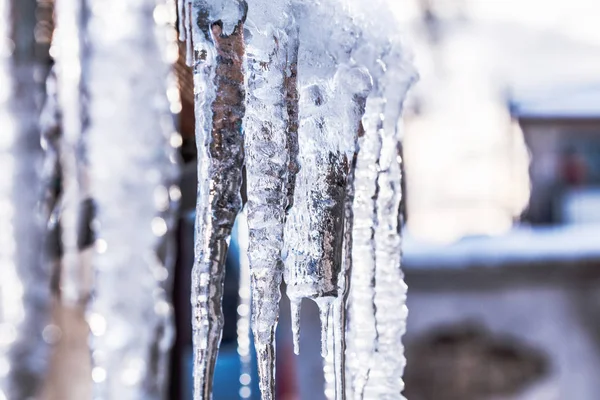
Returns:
(68,49)
(24,284)
(362,333)
(334,365)
(339,314)
(390,289)
(332,95)
(132,158)
(312,232)
(270,146)
(378,293)
(214,32)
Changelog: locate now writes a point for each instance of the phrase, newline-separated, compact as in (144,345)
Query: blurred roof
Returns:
(548,72)
(571,102)
(550,75)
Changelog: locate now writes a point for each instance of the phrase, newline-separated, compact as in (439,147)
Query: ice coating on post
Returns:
(68,49)
(215,33)
(132,158)
(270,147)
(24,284)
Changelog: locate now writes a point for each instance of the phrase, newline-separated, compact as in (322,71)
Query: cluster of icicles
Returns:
(306,96)
(108,187)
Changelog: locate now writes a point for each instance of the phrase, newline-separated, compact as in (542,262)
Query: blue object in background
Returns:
(227,372)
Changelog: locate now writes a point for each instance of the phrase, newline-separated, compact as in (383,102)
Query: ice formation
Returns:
(132,150)
(270,148)
(24,284)
(305,95)
(215,33)
(311,81)
(377,310)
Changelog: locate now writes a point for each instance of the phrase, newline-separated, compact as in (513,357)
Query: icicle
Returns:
(67,47)
(270,146)
(218,49)
(292,103)
(377,310)
(295,306)
(312,231)
(24,284)
(314,228)
(339,323)
(362,327)
(324,305)
(336,362)
(390,290)
(332,98)
(132,158)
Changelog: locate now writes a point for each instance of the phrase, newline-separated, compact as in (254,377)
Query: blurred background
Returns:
(502,238)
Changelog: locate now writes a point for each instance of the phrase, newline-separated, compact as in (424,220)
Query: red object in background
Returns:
(287,388)
(573,169)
